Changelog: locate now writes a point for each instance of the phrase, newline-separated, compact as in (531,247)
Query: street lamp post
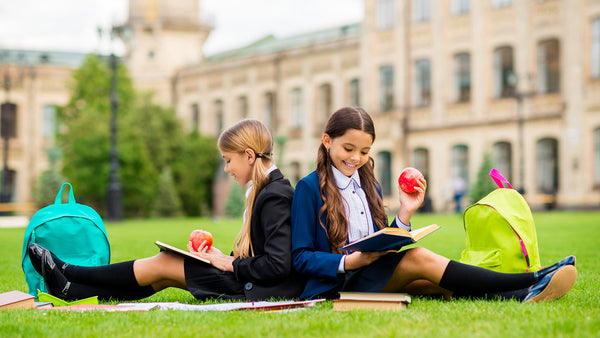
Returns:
(513,80)
(114,194)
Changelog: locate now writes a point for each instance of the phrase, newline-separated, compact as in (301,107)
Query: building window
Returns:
(503,71)
(11,179)
(297,109)
(460,7)
(269,111)
(421,161)
(243,107)
(460,162)
(422,92)
(501,3)
(219,116)
(384,14)
(355,92)
(597,157)
(548,67)
(195,116)
(502,158)
(386,88)
(8,120)
(295,172)
(384,166)
(596,48)
(547,165)
(324,107)
(49,124)
(462,77)
(421,10)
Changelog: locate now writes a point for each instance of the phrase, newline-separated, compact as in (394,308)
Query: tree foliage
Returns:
(150,138)
(483,184)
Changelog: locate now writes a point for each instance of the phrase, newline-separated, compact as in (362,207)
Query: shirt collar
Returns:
(270,170)
(343,181)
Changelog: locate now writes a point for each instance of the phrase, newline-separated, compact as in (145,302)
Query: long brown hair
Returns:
(249,134)
(337,225)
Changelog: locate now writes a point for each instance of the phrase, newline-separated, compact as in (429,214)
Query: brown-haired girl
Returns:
(259,267)
(340,202)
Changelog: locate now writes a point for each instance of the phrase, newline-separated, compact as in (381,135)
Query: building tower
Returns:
(160,37)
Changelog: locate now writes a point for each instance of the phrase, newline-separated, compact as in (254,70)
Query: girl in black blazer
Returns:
(259,267)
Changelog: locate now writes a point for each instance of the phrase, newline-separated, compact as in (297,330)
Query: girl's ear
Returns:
(250,156)
(326,141)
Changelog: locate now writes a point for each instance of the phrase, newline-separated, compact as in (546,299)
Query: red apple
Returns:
(199,236)
(409,179)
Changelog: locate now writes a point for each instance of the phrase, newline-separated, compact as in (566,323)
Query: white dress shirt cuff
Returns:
(402,225)
(341,266)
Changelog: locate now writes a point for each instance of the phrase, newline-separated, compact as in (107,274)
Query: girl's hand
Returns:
(359,259)
(216,258)
(410,202)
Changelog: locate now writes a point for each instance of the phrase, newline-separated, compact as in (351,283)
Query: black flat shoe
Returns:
(36,252)
(41,259)
(553,285)
(570,260)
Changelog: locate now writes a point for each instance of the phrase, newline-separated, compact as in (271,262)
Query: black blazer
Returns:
(269,272)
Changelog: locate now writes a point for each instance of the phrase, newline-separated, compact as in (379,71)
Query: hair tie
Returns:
(261,155)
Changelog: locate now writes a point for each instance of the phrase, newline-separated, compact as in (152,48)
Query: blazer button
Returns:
(248,286)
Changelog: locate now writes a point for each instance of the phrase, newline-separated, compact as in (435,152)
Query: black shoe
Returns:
(36,252)
(553,285)
(41,259)
(570,260)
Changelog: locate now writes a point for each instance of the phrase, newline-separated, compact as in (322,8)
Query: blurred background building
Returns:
(446,82)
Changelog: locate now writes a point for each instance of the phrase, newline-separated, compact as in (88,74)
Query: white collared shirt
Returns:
(356,207)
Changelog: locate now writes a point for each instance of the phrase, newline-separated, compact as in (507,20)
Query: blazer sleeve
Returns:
(310,247)
(274,262)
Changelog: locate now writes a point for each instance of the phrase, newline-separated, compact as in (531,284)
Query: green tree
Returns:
(483,183)
(194,170)
(49,181)
(236,201)
(85,140)
(167,202)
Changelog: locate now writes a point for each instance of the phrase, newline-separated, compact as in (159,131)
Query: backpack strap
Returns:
(58,199)
(499,179)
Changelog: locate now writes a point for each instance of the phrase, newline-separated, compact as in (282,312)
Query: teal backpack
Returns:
(74,232)
(500,232)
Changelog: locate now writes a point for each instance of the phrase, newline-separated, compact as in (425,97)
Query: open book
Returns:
(390,239)
(170,248)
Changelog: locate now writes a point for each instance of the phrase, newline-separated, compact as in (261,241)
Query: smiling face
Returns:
(239,165)
(349,151)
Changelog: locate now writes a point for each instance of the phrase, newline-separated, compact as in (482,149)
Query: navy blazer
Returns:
(311,253)
(269,272)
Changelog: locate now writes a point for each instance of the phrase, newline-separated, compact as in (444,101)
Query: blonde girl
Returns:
(258,268)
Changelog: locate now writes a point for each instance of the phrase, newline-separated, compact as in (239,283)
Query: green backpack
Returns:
(500,232)
(74,232)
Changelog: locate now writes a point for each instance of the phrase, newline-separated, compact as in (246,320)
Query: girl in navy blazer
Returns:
(260,266)
(341,202)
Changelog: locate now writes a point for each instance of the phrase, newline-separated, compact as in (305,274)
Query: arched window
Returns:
(502,159)
(384,172)
(547,165)
(548,80)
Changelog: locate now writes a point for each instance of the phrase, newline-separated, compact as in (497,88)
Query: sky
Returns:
(72,25)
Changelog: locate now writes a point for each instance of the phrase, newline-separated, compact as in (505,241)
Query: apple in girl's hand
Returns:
(199,236)
(409,179)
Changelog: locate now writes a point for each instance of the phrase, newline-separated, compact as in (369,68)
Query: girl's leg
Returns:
(460,279)
(125,280)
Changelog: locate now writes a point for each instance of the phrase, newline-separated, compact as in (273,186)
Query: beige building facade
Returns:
(446,81)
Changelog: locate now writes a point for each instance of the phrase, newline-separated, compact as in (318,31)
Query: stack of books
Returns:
(371,300)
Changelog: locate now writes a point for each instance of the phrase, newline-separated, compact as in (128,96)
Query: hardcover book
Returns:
(16,300)
(170,248)
(371,301)
(390,239)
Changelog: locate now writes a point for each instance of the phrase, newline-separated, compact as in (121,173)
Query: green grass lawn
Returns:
(559,234)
